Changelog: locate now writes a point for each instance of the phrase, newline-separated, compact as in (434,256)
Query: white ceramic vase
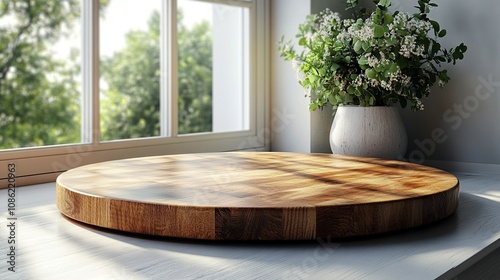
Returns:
(376,131)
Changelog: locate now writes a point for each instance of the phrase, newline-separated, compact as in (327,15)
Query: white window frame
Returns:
(44,164)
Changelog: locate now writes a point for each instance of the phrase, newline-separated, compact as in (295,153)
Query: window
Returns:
(222,35)
(39,77)
(95,80)
(130,74)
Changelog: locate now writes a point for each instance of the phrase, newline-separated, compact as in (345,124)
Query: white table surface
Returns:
(50,246)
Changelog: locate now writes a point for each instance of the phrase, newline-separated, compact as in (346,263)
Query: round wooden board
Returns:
(256,195)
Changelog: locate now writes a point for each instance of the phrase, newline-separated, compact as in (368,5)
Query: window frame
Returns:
(44,164)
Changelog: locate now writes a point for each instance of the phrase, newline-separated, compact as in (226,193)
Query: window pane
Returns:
(39,73)
(213,67)
(130,69)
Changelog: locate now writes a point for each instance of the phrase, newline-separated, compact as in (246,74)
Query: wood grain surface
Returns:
(256,195)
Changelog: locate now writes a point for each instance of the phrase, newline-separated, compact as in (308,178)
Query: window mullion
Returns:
(164,70)
(87,67)
(96,115)
(246,74)
(169,92)
(90,72)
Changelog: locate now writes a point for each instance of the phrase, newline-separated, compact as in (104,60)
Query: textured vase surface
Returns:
(376,131)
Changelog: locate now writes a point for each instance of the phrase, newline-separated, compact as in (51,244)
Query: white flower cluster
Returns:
(344,37)
(409,47)
(364,34)
(418,25)
(360,80)
(396,78)
(327,19)
(374,61)
(419,105)
(406,23)
(400,20)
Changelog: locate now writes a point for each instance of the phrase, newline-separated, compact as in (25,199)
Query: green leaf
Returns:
(441,59)
(402,32)
(385,3)
(371,101)
(442,33)
(334,67)
(366,46)
(302,41)
(312,78)
(388,18)
(357,46)
(435,48)
(443,76)
(370,73)
(379,67)
(462,47)
(421,6)
(322,72)
(358,92)
(378,31)
(391,41)
(393,68)
(333,99)
(459,56)
(435,25)
(363,60)
(351,90)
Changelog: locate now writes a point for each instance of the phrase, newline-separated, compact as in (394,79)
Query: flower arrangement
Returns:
(376,58)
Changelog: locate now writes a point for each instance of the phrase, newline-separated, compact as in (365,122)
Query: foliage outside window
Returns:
(40,88)
(39,91)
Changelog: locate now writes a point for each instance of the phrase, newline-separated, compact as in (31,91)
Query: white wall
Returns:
(467,110)
(294,128)
(290,119)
